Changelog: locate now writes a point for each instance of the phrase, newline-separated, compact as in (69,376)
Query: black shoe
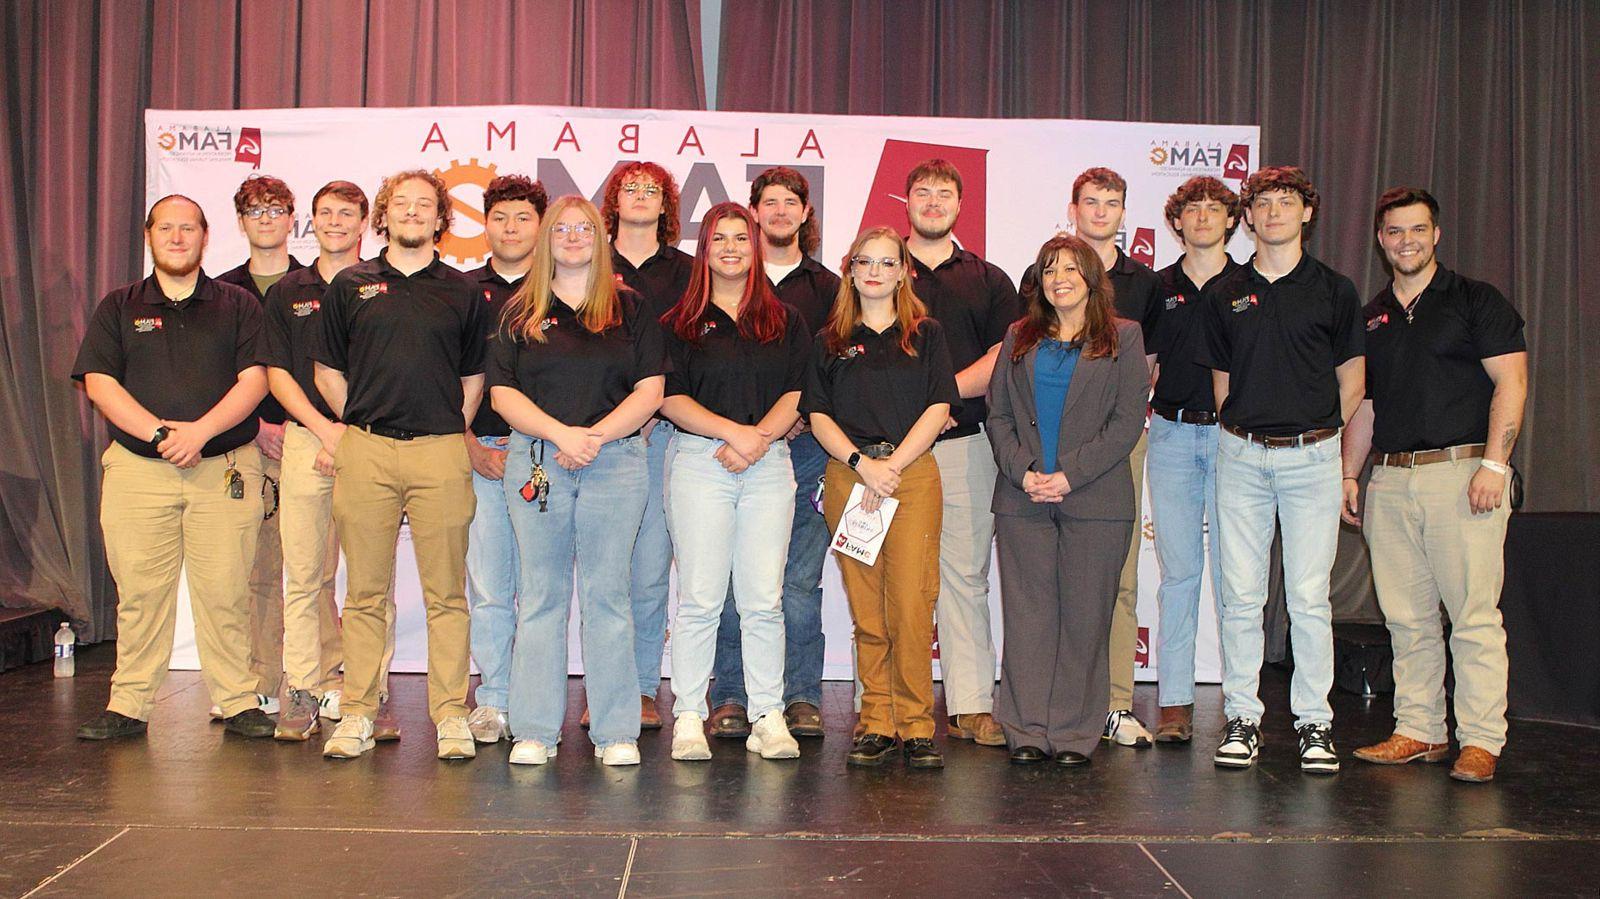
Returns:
(921,754)
(1028,755)
(109,725)
(250,723)
(870,750)
(1069,759)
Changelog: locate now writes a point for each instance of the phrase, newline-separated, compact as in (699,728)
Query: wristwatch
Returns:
(162,433)
(853,461)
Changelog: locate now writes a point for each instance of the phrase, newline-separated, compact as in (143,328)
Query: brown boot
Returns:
(649,718)
(1399,750)
(1176,724)
(730,722)
(980,728)
(1474,765)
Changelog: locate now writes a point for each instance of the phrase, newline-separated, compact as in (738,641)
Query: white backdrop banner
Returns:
(1017,176)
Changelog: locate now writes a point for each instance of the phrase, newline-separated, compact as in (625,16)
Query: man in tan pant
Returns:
(1447,378)
(399,358)
(183,482)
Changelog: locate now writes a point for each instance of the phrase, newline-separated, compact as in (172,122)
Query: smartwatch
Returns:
(853,461)
(162,433)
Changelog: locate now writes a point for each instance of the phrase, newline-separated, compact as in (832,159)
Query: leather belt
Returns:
(1188,416)
(877,450)
(1305,439)
(960,431)
(391,433)
(1428,457)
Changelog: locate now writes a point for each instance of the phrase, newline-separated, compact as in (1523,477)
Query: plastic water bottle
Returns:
(66,640)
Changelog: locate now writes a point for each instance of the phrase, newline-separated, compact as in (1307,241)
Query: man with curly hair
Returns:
(400,361)
(1284,343)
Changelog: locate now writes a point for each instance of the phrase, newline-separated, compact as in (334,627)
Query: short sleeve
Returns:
(247,332)
(276,344)
(332,343)
(1005,307)
(678,352)
(101,351)
(473,344)
(797,347)
(1496,326)
(941,372)
(1349,325)
(1150,287)
(815,396)
(649,347)
(1213,349)
(500,369)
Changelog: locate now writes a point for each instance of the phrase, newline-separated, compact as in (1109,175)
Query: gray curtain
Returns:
(78,76)
(1485,102)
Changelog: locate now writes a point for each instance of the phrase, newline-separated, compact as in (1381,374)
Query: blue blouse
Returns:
(1053,365)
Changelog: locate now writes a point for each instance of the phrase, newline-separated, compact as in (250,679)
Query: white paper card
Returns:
(860,533)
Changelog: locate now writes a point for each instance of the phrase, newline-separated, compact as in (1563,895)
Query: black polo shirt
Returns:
(1425,374)
(495,291)
(1280,342)
(577,377)
(811,289)
(975,302)
(1179,330)
(291,326)
(875,392)
(734,376)
(177,359)
(403,342)
(661,281)
(270,410)
(1135,291)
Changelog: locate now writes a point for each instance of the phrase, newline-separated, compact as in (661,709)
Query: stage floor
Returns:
(192,811)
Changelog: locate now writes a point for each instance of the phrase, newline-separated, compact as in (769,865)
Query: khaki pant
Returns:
(1428,548)
(266,594)
(966,545)
(1125,614)
(159,520)
(430,479)
(312,645)
(892,602)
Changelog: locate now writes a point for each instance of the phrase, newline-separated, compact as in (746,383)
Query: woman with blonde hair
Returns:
(879,388)
(576,368)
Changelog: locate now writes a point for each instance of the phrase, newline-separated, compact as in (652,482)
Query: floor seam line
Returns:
(627,869)
(1164,872)
(75,862)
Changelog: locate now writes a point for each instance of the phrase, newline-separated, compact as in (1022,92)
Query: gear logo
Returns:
(466,241)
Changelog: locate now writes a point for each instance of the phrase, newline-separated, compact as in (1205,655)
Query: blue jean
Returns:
(1181,468)
(1299,487)
(802,597)
(728,526)
(603,503)
(492,585)
(652,568)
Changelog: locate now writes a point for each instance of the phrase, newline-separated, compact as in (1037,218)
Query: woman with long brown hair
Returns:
(1066,405)
(576,369)
(879,389)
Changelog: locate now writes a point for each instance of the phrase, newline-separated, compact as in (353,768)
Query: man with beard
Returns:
(1447,378)
(975,303)
(512,208)
(265,207)
(400,361)
(780,199)
(170,362)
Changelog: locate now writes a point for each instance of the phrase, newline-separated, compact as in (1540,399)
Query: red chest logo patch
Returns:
(850,352)
(368,291)
(1245,302)
(146,325)
(303,308)
(1377,321)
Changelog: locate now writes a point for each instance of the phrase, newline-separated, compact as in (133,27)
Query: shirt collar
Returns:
(1300,272)
(618,260)
(153,296)
(487,275)
(431,269)
(961,254)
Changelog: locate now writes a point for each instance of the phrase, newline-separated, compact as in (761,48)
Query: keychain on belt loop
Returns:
(538,486)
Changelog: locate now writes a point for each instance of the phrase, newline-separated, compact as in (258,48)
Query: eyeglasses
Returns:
(867,263)
(582,230)
(635,188)
(271,212)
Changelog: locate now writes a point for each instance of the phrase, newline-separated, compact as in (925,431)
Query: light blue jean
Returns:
(802,597)
(652,569)
(591,523)
(492,574)
(728,525)
(1182,472)
(1299,487)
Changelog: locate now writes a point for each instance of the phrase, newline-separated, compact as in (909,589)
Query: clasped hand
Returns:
(1046,488)
(743,447)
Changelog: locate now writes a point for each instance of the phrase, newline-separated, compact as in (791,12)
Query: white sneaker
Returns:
(350,739)
(689,739)
(328,706)
(1125,729)
(618,754)
(531,752)
(267,704)
(770,736)
(1317,755)
(455,739)
(489,725)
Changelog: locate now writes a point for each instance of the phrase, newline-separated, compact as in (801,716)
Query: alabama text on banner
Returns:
(1017,176)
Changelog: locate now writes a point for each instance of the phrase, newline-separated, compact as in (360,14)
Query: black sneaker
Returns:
(920,753)
(1241,742)
(109,725)
(1317,755)
(250,723)
(870,750)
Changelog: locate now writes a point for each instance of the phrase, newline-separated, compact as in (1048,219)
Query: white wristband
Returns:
(1499,468)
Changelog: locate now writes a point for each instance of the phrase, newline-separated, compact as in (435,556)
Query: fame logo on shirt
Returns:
(368,291)
(1377,321)
(707,328)
(850,352)
(548,323)
(1176,300)
(304,308)
(488,297)
(1245,302)
(146,325)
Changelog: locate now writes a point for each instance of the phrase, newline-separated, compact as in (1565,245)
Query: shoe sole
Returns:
(600,754)
(386,736)
(1174,738)
(806,731)
(856,761)
(291,735)
(1427,758)
(784,753)
(1138,743)
(548,755)
(1470,778)
(924,764)
(1319,768)
(1222,762)
(692,754)
(457,753)
(366,747)
(961,733)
